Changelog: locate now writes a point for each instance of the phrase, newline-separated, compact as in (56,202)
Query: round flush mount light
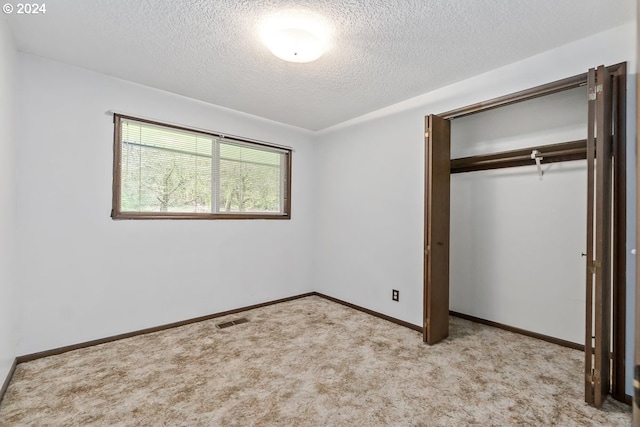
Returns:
(296,35)
(295,45)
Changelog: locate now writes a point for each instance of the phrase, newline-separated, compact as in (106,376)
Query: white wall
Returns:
(369,223)
(8,66)
(84,276)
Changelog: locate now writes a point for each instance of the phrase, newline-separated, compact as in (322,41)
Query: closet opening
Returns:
(574,178)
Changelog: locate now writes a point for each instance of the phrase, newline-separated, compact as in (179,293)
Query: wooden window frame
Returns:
(117,214)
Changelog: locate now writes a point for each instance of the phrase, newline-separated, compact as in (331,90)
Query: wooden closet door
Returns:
(436,229)
(599,205)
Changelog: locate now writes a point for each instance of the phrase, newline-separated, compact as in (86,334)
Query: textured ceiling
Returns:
(382,51)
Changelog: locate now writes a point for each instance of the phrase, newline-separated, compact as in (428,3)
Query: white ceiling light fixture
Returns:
(295,45)
(296,36)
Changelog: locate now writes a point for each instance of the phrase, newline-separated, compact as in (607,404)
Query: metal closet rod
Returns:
(562,152)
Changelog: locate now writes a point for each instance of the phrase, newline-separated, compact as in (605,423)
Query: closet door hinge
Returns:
(593,94)
(593,377)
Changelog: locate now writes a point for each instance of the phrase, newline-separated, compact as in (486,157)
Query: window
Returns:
(165,171)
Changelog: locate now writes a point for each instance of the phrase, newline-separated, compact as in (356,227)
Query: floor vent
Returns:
(232,323)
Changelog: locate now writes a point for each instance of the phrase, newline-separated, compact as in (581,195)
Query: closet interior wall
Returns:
(516,239)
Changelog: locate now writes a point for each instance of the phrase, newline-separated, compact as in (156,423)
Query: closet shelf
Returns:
(562,152)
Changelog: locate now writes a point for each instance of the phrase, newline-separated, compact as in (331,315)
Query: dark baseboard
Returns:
(5,384)
(543,337)
(60,350)
(371,312)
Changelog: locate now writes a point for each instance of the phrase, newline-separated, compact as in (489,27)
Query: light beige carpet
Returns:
(308,362)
